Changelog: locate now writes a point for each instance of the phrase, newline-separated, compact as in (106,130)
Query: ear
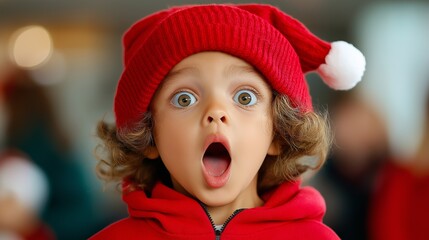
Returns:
(274,149)
(151,152)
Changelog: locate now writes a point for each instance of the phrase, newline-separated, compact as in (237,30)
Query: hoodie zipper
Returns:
(219,232)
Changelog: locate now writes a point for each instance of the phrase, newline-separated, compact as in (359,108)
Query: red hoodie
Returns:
(289,212)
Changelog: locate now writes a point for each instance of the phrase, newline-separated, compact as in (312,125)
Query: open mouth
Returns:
(216,159)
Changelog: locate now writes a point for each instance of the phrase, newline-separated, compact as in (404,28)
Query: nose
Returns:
(215,114)
(218,116)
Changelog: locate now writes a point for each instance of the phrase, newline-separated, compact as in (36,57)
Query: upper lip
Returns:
(217,138)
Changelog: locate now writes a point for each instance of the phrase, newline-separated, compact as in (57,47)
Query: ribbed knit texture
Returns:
(280,47)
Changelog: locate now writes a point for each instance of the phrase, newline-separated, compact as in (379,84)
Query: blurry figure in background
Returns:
(23,195)
(400,207)
(348,178)
(32,128)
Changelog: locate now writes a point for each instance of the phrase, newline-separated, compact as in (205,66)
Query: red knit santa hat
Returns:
(280,47)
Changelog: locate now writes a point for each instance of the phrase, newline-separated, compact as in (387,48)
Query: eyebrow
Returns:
(180,71)
(173,74)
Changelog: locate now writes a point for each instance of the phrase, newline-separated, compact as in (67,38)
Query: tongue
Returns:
(215,166)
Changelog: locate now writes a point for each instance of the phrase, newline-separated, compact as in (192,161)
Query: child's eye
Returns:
(245,97)
(183,99)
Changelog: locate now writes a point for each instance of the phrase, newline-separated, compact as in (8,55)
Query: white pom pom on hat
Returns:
(344,66)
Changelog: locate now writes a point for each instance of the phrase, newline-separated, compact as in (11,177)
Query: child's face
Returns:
(213,128)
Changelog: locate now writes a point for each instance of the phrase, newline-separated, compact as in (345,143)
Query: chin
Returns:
(217,198)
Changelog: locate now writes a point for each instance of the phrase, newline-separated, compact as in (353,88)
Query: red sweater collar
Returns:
(174,212)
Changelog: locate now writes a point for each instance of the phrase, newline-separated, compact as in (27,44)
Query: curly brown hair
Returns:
(124,154)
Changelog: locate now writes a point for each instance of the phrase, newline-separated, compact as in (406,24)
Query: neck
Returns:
(247,199)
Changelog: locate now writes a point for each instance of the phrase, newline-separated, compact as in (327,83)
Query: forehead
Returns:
(209,62)
(211,56)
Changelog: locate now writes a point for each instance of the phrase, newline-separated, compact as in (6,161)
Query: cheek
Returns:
(261,127)
(256,136)
(174,138)
(167,134)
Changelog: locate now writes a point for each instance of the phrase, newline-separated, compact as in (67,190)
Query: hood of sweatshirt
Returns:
(173,212)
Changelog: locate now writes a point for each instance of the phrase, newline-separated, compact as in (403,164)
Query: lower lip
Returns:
(217,181)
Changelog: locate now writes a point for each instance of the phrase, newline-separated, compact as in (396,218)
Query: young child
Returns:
(213,117)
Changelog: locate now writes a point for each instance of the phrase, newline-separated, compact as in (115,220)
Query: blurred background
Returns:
(60,62)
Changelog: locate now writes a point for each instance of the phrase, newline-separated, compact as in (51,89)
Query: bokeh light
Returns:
(31,46)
